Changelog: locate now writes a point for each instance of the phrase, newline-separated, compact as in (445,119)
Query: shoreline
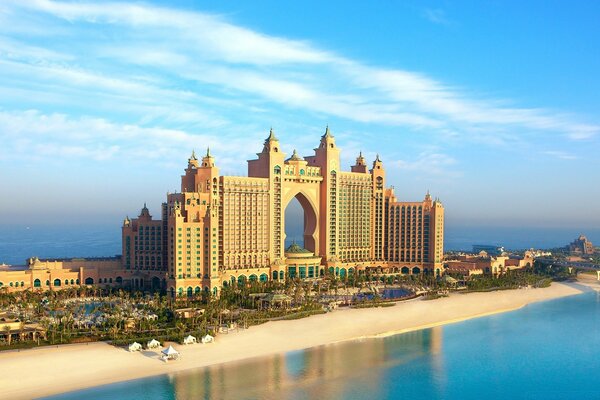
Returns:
(67,368)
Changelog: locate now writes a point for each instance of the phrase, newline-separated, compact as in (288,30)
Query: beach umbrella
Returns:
(189,340)
(135,346)
(153,344)
(208,339)
(170,351)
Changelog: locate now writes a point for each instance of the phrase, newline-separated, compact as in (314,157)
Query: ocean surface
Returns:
(17,243)
(548,350)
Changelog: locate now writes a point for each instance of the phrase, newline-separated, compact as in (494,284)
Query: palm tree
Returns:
(114,331)
(7,333)
(180,326)
(21,329)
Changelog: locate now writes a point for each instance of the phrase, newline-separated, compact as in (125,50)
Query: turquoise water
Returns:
(17,243)
(549,350)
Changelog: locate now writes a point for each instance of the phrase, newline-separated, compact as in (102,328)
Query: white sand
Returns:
(51,370)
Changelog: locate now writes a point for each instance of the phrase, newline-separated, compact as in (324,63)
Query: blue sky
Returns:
(493,106)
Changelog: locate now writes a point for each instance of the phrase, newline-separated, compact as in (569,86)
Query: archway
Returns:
(300,222)
(156,283)
(416,270)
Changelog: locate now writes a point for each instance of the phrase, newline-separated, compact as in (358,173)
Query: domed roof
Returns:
(295,157)
(294,248)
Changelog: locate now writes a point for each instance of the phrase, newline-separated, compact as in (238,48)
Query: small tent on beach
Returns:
(153,344)
(170,354)
(207,339)
(135,346)
(189,340)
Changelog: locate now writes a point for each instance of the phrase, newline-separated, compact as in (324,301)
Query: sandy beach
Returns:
(51,370)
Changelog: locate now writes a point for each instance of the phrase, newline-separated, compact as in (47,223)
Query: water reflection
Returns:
(330,371)
(547,350)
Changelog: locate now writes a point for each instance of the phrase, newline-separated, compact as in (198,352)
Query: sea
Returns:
(19,242)
(548,350)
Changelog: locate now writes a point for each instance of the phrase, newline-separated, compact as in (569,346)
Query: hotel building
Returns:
(223,229)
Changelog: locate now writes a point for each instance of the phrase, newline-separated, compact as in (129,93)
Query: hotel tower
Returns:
(224,229)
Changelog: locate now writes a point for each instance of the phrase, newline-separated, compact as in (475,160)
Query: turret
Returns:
(361,165)
(271,143)
(208,160)
(145,213)
(327,157)
(198,175)
(327,140)
(378,211)
(270,159)
(192,161)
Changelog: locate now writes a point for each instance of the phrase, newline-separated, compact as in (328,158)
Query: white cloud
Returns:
(561,155)
(194,71)
(41,136)
(436,15)
(429,163)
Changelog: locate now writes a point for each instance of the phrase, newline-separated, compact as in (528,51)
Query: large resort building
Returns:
(219,230)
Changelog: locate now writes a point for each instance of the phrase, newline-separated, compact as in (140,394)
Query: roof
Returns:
(450,279)
(294,248)
(170,351)
(295,157)
(277,297)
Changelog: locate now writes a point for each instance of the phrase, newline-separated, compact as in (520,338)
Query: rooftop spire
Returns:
(428,196)
(377,158)
(271,135)
(295,156)
(327,132)
(208,151)
(193,157)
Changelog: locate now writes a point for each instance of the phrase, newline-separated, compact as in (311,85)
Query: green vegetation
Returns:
(539,276)
(120,316)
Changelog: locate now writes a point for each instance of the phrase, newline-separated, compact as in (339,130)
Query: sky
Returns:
(490,105)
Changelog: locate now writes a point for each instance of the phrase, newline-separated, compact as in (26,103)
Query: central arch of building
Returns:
(307,195)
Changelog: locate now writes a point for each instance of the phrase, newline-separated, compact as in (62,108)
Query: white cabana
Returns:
(207,339)
(189,340)
(153,344)
(135,346)
(170,354)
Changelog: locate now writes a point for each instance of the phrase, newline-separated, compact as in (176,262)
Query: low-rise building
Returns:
(55,274)
(470,264)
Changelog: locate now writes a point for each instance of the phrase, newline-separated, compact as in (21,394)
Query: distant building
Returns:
(581,245)
(55,274)
(490,250)
(466,265)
